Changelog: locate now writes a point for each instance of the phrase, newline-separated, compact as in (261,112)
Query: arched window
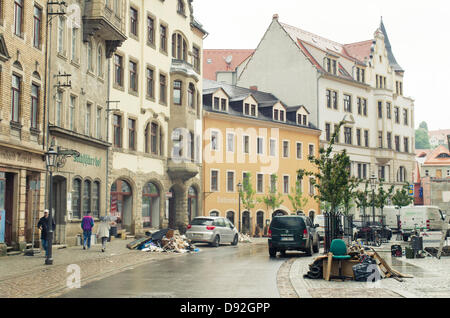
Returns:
(191,95)
(86,197)
(76,195)
(230,216)
(179,47)
(401,174)
(214,213)
(100,61)
(150,205)
(89,56)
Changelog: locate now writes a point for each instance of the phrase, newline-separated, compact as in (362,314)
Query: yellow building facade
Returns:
(247,131)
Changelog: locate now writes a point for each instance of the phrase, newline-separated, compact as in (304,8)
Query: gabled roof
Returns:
(359,50)
(432,158)
(212,90)
(296,108)
(217,59)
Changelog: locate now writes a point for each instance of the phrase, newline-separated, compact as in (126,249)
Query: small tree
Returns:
(297,200)
(382,196)
(273,199)
(349,195)
(362,199)
(401,197)
(248,194)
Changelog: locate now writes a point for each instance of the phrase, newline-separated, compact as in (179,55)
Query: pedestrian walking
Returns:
(43,226)
(103,231)
(87,224)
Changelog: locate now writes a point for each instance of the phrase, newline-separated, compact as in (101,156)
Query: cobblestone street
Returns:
(27,276)
(431,279)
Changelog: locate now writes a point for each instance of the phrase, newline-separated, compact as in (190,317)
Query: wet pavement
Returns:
(245,271)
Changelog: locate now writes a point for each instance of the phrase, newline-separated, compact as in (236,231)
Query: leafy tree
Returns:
(423,125)
(247,193)
(422,139)
(332,175)
(382,196)
(401,197)
(362,198)
(273,199)
(298,201)
(349,195)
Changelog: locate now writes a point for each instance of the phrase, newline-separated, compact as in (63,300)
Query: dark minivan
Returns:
(292,232)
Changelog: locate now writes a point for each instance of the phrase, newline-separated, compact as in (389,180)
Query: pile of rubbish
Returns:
(244,238)
(165,240)
(362,266)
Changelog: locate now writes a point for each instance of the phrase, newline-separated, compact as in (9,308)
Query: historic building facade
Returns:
(22,165)
(155,122)
(249,131)
(83,40)
(361,82)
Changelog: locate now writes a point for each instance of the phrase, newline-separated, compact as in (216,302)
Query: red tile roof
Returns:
(358,50)
(432,157)
(216,59)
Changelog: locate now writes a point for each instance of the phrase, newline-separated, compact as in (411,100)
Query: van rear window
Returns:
(287,222)
(201,222)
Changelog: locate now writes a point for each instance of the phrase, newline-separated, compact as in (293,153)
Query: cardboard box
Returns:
(347,269)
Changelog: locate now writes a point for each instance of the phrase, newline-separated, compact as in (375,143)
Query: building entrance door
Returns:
(59,204)
(122,204)
(9,206)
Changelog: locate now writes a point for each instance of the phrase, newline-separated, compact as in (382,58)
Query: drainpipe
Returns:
(318,104)
(108,93)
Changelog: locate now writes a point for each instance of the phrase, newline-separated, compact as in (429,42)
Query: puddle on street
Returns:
(404,267)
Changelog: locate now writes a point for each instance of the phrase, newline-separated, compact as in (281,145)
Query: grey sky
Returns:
(418,32)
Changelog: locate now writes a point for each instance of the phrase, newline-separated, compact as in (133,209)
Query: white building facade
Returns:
(156,98)
(361,82)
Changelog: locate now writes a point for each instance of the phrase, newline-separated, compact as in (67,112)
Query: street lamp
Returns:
(51,158)
(373,180)
(239,185)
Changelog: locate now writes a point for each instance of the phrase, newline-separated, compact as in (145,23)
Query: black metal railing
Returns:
(337,226)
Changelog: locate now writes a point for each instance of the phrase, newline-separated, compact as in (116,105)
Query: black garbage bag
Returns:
(367,270)
(157,236)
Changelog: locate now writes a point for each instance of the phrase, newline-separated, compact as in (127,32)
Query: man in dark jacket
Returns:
(43,226)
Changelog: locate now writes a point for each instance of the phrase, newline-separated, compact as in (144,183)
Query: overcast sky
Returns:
(418,31)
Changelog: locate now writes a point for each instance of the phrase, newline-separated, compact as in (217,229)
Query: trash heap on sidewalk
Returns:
(244,238)
(165,240)
(362,265)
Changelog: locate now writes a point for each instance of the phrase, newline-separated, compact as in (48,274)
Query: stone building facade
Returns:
(361,82)
(22,165)
(156,84)
(83,40)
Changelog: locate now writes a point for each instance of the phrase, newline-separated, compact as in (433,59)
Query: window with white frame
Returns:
(299,150)
(230,142)
(260,146)
(273,147)
(214,180)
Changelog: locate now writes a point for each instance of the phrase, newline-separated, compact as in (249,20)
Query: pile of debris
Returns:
(362,266)
(244,238)
(165,240)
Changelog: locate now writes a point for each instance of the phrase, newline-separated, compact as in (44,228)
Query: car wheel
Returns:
(235,240)
(272,252)
(216,242)
(309,250)
(283,253)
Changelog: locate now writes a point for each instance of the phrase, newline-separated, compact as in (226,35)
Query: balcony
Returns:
(182,170)
(384,155)
(183,68)
(105,22)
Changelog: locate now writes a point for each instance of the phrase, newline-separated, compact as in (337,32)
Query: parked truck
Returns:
(420,218)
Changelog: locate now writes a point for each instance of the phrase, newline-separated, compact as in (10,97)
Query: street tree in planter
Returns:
(401,198)
(362,199)
(331,178)
(298,201)
(248,195)
(382,196)
(273,199)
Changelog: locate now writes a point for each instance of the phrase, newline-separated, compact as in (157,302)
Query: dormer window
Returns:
(180,7)
(220,103)
(331,65)
(281,115)
(250,109)
(216,105)
(302,119)
(360,74)
(275,114)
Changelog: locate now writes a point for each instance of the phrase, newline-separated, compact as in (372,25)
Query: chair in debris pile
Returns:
(338,251)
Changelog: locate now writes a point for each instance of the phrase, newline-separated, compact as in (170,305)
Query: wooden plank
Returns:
(329,261)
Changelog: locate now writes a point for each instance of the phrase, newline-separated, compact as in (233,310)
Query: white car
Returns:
(213,230)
